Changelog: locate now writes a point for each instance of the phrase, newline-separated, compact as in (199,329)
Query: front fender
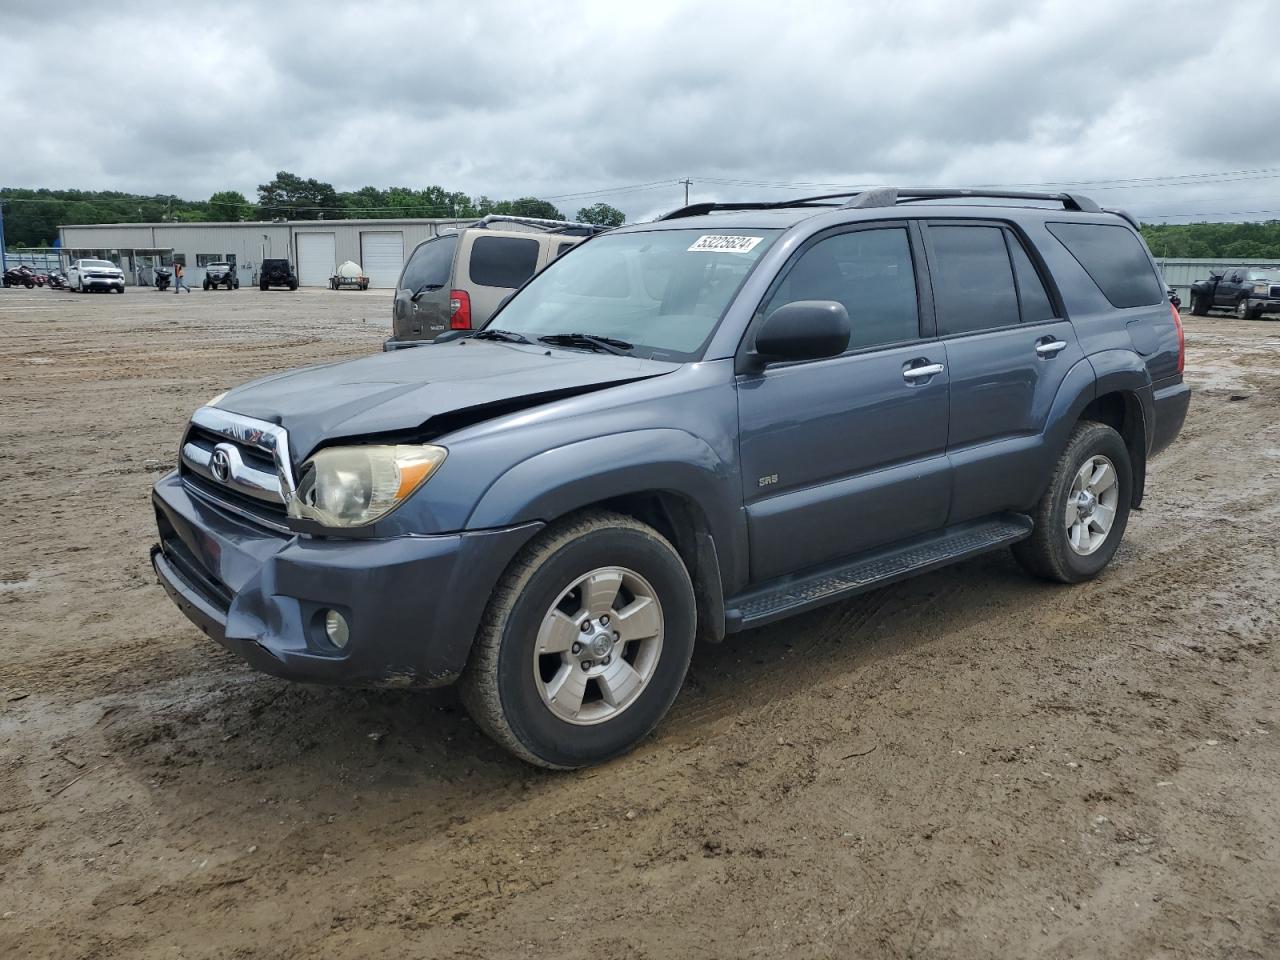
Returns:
(559,481)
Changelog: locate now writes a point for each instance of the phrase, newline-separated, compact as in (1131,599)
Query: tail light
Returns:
(1182,337)
(460,310)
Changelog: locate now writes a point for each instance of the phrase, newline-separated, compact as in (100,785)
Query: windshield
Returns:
(1264,273)
(662,291)
(98,263)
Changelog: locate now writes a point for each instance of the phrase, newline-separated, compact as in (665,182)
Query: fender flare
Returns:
(559,481)
(1094,376)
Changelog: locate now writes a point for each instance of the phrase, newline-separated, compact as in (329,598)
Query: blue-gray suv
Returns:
(680,430)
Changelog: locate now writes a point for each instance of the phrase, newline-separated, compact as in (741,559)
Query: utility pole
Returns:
(687,184)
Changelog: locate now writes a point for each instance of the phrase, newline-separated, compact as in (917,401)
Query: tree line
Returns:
(32,217)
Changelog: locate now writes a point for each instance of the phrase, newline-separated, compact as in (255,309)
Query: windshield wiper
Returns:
(424,288)
(607,344)
(506,336)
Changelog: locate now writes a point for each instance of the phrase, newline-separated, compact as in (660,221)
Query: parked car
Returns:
(1249,291)
(20,276)
(682,429)
(277,273)
(89,276)
(457,280)
(221,275)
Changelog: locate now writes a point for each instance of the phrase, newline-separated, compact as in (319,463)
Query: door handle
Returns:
(1049,347)
(922,372)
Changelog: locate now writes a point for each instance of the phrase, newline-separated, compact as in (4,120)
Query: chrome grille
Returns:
(1275,291)
(240,462)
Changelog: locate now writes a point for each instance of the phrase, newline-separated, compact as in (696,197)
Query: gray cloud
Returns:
(510,99)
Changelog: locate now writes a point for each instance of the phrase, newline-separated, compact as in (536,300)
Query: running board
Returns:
(785,596)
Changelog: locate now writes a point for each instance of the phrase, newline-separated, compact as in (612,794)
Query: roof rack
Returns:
(891,196)
(551,226)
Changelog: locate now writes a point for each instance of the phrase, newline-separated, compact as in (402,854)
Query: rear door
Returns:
(1009,347)
(421,307)
(847,453)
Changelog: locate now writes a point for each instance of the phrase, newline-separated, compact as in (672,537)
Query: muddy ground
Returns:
(968,765)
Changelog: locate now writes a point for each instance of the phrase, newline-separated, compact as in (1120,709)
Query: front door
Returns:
(848,453)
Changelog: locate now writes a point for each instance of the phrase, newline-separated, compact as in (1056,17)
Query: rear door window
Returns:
(430,264)
(1032,295)
(1116,260)
(503,261)
(973,287)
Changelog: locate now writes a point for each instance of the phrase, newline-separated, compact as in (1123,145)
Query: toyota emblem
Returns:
(220,464)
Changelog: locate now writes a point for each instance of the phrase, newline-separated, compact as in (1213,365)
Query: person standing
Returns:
(179,281)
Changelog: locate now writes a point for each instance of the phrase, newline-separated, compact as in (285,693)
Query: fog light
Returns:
(336,629)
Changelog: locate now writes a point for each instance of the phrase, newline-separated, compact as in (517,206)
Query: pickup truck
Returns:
(1249,291)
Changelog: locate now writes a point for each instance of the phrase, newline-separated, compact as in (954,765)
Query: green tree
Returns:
(526,207)
(602,215)
(229,205)
(288,195)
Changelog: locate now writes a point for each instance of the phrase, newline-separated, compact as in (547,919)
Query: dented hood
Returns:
(404,389)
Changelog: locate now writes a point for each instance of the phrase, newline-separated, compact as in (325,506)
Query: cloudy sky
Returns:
(1167,107)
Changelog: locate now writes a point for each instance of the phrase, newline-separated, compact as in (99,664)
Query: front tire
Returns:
(585,642)
(1244,309)
(1198,306)
(1080,520)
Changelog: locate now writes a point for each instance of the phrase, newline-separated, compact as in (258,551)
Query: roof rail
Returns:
(891,196)
(698,209)
(888,196)
(551,226)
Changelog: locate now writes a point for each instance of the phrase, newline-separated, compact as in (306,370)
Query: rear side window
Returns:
(430,264)
(503,261)
(1031,292)
(564,248)
(972,279)
(871,273)
(1116,260)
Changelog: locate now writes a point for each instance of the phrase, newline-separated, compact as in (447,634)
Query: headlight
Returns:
(1263,288)
(352,486)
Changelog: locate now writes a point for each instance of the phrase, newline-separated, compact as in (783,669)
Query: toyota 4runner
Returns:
(685,429)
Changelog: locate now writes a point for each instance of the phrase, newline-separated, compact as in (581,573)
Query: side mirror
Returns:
(804,330)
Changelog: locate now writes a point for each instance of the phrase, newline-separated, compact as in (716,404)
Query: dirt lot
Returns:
(968,765)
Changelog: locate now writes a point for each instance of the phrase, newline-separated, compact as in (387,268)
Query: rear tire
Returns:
(1049,551)
(605,708)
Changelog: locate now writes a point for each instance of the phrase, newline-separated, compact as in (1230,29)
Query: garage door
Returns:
(316,259)
(382,256)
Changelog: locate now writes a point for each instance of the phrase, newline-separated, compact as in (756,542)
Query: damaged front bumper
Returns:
(412,603)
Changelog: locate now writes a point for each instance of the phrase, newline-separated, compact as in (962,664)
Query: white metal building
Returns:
(315,247)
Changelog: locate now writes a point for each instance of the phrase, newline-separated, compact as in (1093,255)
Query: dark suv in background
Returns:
(277,273)
(681,430)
